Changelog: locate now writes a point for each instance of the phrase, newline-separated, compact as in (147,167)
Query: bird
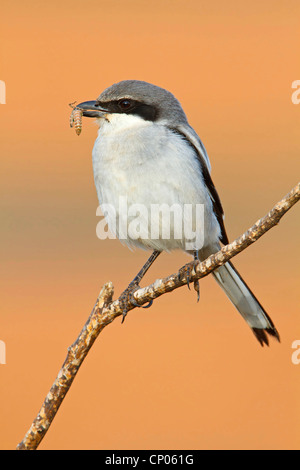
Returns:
(147,153)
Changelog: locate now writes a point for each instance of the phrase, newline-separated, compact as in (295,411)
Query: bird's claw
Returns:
(127,298)
(185,272)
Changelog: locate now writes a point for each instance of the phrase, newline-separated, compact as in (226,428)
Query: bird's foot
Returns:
(185,272)
(126,298)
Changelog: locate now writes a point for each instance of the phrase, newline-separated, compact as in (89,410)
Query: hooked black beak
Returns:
(91,109)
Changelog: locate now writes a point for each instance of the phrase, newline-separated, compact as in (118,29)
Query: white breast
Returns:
(139,162)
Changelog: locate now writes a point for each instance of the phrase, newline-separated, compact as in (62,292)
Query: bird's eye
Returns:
(124,104)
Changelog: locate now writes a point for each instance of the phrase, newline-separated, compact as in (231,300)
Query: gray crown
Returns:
(168,106)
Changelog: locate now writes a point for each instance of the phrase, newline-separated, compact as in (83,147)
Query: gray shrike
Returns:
(147,152)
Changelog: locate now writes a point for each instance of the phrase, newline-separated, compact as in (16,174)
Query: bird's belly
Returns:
(153,197)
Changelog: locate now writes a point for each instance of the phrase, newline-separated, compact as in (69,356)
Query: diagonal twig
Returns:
(105,311)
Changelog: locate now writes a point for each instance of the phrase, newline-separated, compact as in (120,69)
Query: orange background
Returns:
(180,375)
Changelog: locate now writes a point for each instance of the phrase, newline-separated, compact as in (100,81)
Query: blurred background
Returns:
(180,375)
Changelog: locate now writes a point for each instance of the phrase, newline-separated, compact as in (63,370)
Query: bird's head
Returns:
(135,98)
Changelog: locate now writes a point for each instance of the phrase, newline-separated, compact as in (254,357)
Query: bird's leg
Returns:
(126,297)
(186,271)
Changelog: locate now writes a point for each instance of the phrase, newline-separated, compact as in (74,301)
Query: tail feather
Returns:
(246,303)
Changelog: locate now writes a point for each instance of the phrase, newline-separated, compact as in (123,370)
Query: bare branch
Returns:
(105,311)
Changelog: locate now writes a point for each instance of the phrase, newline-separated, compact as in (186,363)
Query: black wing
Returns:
(217,206)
